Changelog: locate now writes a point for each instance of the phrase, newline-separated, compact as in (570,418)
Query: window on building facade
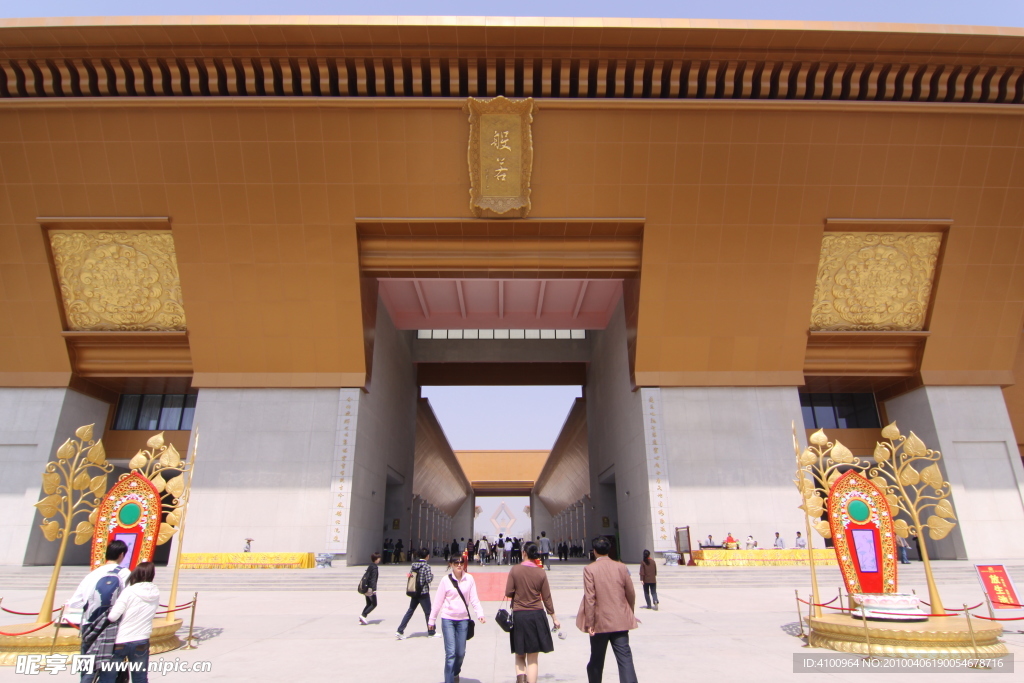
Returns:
(155,412)
(839,411)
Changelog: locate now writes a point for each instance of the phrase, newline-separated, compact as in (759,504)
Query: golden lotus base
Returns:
(163,639)
(924,639)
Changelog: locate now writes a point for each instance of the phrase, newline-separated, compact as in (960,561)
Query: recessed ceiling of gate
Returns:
(437,303)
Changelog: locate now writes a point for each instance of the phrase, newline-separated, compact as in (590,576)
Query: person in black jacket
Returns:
(371,588)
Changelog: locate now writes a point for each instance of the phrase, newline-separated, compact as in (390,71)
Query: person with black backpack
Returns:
(96,595)
(418,590)
(368,587)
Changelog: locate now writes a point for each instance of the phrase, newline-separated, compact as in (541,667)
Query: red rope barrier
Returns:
(184,604)
(978,616)
(25,614)
(954,609)
(12,635)
(820,604)
(168,611)
(1011,604)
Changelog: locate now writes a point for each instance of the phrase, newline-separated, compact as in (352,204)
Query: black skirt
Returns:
(531,632)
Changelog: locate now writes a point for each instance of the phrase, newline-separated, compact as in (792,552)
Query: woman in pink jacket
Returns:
(455,593)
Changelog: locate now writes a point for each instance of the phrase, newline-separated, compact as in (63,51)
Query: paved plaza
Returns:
(715,624)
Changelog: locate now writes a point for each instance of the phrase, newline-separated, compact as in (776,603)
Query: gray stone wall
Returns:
(971,426)
(33,424)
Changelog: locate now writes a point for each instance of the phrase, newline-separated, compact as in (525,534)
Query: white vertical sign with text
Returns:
(657,471)
(341,471)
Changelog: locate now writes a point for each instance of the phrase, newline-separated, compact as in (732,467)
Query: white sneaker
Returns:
(401,636)
(362,620)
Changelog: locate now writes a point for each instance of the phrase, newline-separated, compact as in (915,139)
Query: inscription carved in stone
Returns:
(874,281)
(118,280)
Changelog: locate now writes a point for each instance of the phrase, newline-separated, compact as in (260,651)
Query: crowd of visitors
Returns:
(732,543)
(606,613)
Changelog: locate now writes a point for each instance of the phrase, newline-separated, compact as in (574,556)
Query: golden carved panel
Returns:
(500,156)
(124,280)
(874,281)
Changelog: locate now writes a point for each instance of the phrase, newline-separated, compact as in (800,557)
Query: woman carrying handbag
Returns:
(528,587)
(455,593)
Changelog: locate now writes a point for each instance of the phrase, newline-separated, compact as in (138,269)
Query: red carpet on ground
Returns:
(490,585)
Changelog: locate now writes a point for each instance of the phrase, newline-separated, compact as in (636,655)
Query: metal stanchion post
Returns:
(56,626)
(867,633)
(991,612)
(800,617)
(974,644)
(191,625)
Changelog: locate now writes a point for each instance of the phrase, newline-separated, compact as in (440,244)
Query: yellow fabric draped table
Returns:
(248,560)
(714,557)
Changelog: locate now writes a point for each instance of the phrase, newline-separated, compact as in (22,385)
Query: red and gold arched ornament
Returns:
(863,535)
(130,512)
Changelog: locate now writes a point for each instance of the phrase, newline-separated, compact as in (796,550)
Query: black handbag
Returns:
(471,631)
(504,618)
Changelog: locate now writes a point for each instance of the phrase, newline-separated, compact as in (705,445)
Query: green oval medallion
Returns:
(130,513)
(859,511)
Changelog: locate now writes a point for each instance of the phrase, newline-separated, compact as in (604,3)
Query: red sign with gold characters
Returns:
(130,512)
(998,586)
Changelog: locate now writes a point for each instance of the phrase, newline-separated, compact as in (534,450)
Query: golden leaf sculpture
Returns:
(138,461)
(818,467)
(151,462)
(51,480)
(92,516)
(83,533)
(51,530)
(166,531)
(73,482)
(909,476)
(914,447)
(905,485)
(932,476)
(48,506)
(938,527)
(881,452)
(842,454)
(170,457)
(175,486)
(98,485)
(67,450)
(97,454)
(944,509)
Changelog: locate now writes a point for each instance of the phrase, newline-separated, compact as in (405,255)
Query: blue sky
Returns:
(974,12)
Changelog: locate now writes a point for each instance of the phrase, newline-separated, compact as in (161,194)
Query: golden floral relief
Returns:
(873,281)
(124,280)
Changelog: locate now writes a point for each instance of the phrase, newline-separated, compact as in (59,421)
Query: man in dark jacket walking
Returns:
(420,598)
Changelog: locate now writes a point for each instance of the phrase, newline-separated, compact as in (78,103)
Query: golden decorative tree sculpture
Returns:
(150,462)
(905,488)
(73,484)
(817,468)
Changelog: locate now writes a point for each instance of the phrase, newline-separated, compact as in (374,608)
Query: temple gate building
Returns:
(273,232)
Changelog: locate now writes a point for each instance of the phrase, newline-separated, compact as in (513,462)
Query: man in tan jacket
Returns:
(606,613)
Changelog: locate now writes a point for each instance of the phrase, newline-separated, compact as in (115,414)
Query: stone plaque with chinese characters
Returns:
(500,156)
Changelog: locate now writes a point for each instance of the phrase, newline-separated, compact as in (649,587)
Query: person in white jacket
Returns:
(134,611)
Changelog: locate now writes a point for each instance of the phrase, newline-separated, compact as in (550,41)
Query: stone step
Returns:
(393,577)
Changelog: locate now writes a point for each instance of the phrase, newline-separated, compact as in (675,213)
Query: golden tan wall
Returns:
(263,201)
(502,465)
